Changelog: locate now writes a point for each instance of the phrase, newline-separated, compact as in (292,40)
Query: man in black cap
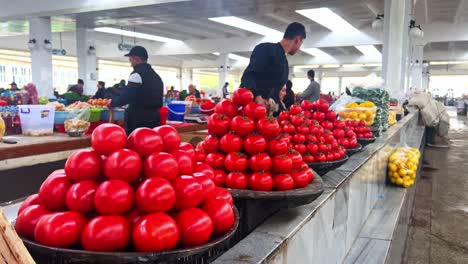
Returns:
(13,87)
(268,69)
(143,93)
(78,88)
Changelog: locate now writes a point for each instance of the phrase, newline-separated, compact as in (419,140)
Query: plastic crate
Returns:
(95,115)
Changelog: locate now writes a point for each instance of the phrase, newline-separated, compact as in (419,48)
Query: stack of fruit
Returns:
(144,192)
(360,129)
(359,112)
(392,118)
(403,165)
(98,103)
(246,150)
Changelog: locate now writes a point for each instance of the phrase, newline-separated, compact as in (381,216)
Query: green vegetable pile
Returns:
(72,97)
(381,99)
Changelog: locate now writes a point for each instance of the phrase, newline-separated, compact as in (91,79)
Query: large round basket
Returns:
(52,255)
(323,167)
(352,151)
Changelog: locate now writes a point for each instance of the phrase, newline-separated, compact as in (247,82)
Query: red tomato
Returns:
(304,130)
(320,157)
(204,168)
(306,105)
(155,195)
(242,125)
(215,160)
(322,148)
(319,116)
(295,109)
(83,165)
(107,138)
(331,116)
(283,182)
(61,229)
(230,143)
(317,130)
(254,111)
(339,124)
(322,105)
(307,115)
(145,141)
(308,158)
(301,148)
(200,155)
(236,180)
(283,116)
(106,233)
(113,197)
(260,162)
(336,156)
(195,227)
(301,179)
(362,123)
(242,96)
(207,183)
(28,218)
(162,165)
(123,164)
(350,134)
(211,144)
(155,232)
(219,194)
(236,161)
(277,147)
(261,181)
(329,138)
(281,164)
(53,191)
(330,156)
(290,129)
(189,192)
(297,120)
(80,196)
(219,177)
(298,139)
(254,144)
(296,159)
(226,107)
(268,127)
(218,124)
(184,161)
(170,136)
(312,148)
(338,133)
(188,148)
(31,200)
(221,213)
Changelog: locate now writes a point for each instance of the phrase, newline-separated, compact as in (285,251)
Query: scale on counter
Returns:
(196,118)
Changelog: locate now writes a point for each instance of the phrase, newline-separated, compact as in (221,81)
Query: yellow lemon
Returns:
(409,164)
(402,172)
(406,184)
(414,168)
(392,167)
(393,180)
(362,117)
(353,115)
(399,181)
(407,178)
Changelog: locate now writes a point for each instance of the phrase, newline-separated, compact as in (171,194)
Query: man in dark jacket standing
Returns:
(268,69)
(143,93)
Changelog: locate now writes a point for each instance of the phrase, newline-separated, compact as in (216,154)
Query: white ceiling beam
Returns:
(28,8)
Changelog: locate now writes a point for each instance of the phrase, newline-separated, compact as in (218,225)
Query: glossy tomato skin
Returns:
(236,161)
(254,111)
(312,148)
(195,227)
(296,159)
(155,232)
(187,148)
(133,216)
(108,138)
(83,165)
(162,165)
(80,196)
(284,115)
(219,194)
(261,181)
(308,158)
(28,218)
(189,192)
(268,127)
(320,157)
(218,124)
(221,214)
(236,180)
(301,148)
(242,125)
(295,109)
(277,147)
(242,96)
(123,164)
(215,160)
(184,161)
(145,141)
(230,143)
(170,136)
(301,179)
(155,195)
(53,191)
(61,229)
(219,177)
(204,168)
(226,107)
(207,183)
(260,162)
(113,197)
(281,164)
(106,233)
(211,144)
(254,144)
(283,182)
(31,200)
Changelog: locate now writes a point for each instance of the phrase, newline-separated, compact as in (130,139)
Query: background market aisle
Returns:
(439,225)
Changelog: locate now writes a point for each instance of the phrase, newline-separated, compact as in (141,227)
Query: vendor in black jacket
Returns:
(143,93)
(268,69)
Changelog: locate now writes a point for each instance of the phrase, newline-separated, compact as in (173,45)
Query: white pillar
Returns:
(425,80)
(41,58)
(185,78)
(340,83)
(417,67)
(223,69)
(87,61)
(395,49)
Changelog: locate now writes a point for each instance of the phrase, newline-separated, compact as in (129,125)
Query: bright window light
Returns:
(372,65)
(132,34)
(243,24)
(330,66)
(447,62)
(312,66)
(233,57)
(369,50)
(316,52)
(328,19)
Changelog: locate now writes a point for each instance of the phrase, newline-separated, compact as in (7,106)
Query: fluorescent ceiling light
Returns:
(369,50)
(132,34)
(447,62)
(330,66)
(328,19)
(316,52)
(351,65)
(312,66)
(233,57)
(243,24)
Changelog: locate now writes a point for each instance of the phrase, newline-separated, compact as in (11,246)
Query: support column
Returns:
(41,57)
(340,83)
(395,49)
(417,67)
(87,60)
(223,69)
(185,78)
(425,80)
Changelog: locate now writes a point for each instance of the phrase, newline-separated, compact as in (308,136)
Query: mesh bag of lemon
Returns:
(403,165)
(355,111)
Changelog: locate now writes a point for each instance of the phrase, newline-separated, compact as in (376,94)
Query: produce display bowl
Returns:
(45,254)
(355,150)
(365,141)
(323,167)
